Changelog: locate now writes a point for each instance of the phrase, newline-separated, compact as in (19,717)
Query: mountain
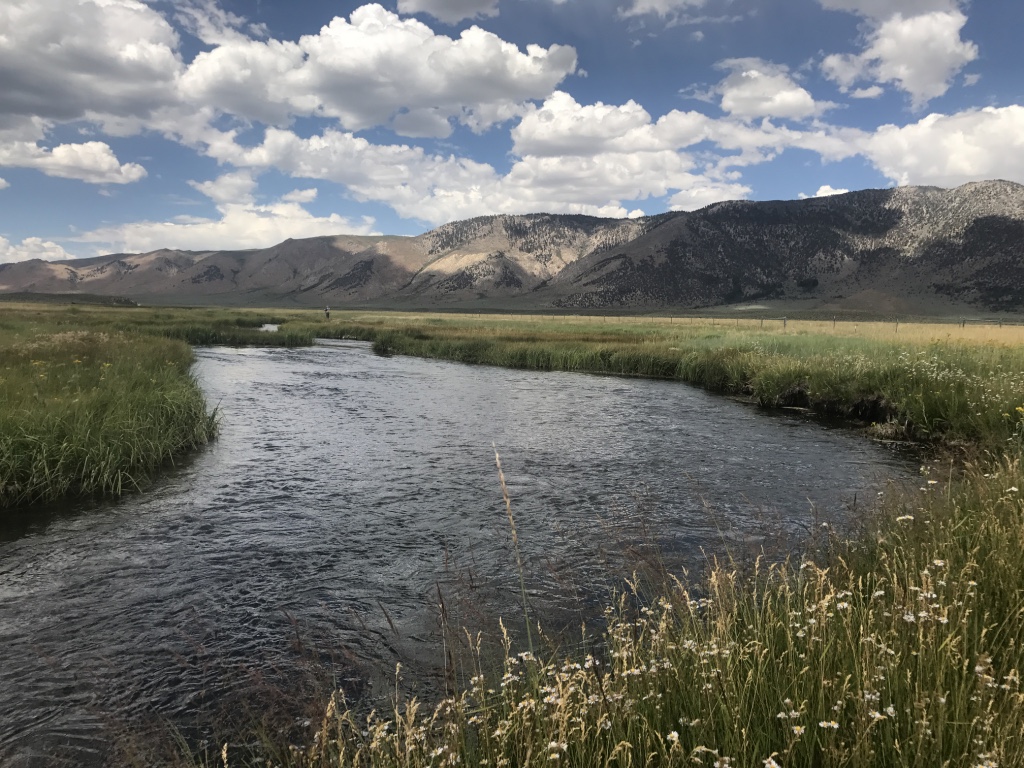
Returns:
(909,248)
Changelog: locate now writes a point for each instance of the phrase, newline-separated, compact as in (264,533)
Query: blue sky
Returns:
(127,126)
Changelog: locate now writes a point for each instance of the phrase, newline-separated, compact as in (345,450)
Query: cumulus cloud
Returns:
(562,127)
(758,88)
(450,11)
(871,92)
(705,193)
(92,162)
(68,60)
(949,150)
(375,67)
(570,158)
(4,184)
(920,55)
(31,248)
(242,222)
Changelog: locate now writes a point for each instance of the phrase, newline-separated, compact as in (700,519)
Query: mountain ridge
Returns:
(901,246)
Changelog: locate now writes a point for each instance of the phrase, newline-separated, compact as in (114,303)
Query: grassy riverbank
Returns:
(931,383)
(87,413)
(899,648)
(93,401)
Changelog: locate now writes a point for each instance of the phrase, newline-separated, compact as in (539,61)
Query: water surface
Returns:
(345,490)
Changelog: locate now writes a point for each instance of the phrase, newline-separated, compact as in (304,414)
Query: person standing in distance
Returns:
(327,313)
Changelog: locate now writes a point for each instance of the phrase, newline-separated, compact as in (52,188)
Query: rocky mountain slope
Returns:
(871,249)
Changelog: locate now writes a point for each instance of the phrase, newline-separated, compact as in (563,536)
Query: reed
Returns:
(88,413)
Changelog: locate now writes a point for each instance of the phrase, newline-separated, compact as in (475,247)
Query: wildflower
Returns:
(844,606)
(770,763)
(829,724)
(673,737)
(939,563)
(909,618)
(876,715)
(799,730)
(1012,489)
(890,711)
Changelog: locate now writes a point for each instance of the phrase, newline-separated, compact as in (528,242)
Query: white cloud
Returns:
(93,162)
(4,184)
(375,67)
(562,127)
(871,92)
(31,248)
(228,189)
(450,11)
(67,59)
(757,88)
(661,8)
(701,195)
(243,223)
(920,55)
(824,190)
(949,150)
(213,24)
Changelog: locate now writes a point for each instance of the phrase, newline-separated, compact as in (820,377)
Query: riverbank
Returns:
(899,649)
(930,383)
(85,413)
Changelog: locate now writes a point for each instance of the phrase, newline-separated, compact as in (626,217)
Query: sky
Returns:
(128,126)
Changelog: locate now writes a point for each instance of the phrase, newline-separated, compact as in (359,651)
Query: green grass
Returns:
(914,386)
(95,399)
(88,413)
(898,648)
(901,648)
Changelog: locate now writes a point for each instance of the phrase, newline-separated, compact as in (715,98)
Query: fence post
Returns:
(783,322)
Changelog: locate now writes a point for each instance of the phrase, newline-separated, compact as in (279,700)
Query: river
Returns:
(347,496)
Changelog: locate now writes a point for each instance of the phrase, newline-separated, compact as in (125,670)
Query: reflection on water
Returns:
(346,489)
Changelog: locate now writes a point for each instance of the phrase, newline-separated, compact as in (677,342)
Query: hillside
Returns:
(888,249)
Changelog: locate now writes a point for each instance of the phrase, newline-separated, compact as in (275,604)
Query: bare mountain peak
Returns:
(914,243)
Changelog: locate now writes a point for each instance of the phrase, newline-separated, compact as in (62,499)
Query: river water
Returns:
(347,497)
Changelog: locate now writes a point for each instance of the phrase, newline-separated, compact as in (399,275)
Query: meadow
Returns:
(898,645)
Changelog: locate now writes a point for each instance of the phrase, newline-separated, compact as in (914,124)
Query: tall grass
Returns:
(85,413)
(94,399)
(916,385)
(899,649)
